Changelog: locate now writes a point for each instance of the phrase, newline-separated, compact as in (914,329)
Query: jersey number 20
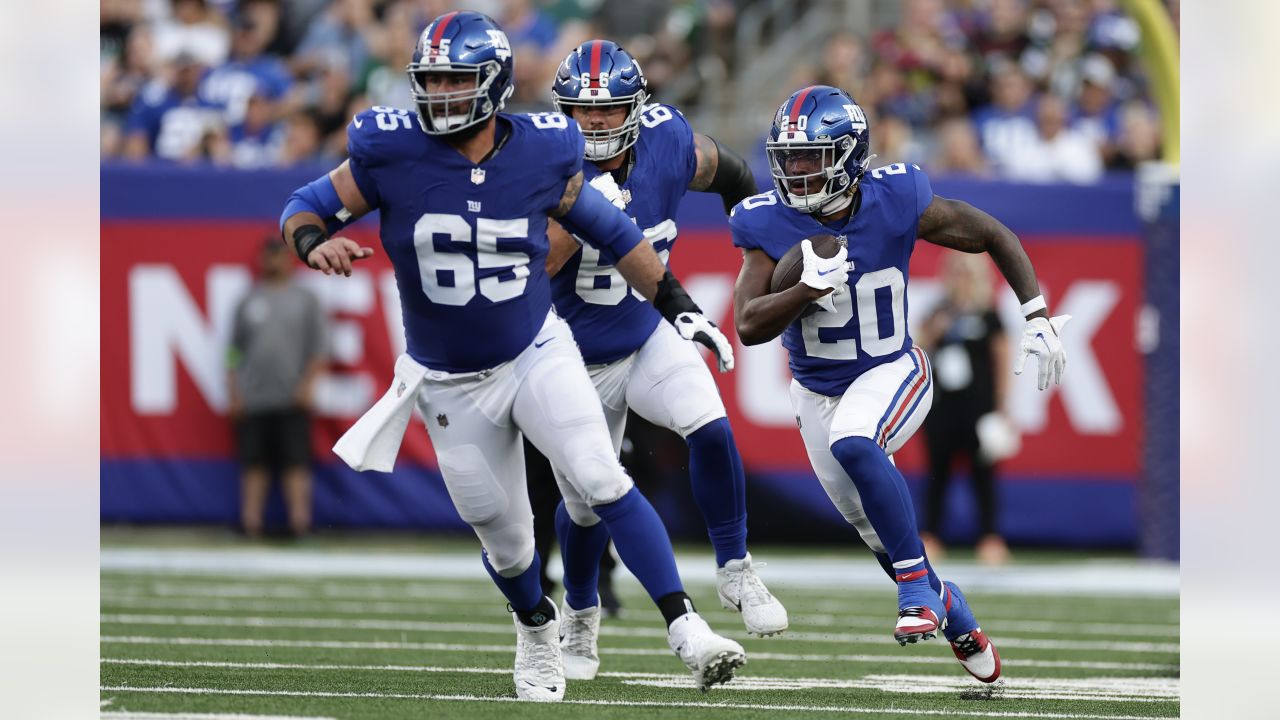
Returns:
(872,342)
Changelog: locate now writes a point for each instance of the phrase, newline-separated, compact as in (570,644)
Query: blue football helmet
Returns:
(461,43)
(818,149)
(596,73)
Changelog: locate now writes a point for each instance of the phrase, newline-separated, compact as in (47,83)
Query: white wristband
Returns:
(1033,305)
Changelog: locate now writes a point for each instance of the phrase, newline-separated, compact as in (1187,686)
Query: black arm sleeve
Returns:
(733,180)
(672,299)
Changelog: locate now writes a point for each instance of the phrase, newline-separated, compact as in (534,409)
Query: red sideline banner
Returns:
(169,290)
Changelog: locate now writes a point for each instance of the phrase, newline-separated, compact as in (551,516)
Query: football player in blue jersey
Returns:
(860,386)
(645,157)
(464,193)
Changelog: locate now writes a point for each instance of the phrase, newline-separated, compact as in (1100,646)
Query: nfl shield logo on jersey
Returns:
(477,176)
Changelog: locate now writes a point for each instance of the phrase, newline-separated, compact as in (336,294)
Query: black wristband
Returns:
(672,299)
(306,239)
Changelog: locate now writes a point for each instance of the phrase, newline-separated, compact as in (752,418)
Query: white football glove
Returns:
(825,273)
(696,327)
(1040,338)
(608,187)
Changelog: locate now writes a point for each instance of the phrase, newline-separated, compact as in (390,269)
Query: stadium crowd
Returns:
(1029,90)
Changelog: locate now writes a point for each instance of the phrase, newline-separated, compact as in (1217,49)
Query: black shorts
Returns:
(277,439)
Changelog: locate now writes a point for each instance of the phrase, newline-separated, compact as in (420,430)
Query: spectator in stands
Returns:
(343,34)
(1001,32)
(1058,153)
(969,352)
(116,20)
(302,140)
(1096,112)
(192,30)
(843,63)
(1006,127)
(277,350)
(895,141)
(124,74)
(386,84)
(1139,139)
(957,150)
(533,37)
(169,119)
(327,94)
(889,96)
(941,59)
(257,141)
(250,70)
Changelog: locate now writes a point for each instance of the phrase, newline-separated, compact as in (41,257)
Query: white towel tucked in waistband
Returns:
(374,441)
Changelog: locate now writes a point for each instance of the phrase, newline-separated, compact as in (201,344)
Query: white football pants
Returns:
(887,404)
(475,421)
(666,382)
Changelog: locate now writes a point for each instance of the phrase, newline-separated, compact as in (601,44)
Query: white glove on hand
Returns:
(608,187)
(1040,338)
(696,327)
(825,273)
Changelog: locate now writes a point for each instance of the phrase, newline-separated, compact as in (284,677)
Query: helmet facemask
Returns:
(438,112)
(810,174)
(611,142)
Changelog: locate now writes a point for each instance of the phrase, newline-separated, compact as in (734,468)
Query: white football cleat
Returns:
(579,631)
(712,658)
(917,623)
(742,590)
(539,674)
(977,655)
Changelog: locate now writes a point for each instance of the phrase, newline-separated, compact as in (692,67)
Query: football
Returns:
(787,272)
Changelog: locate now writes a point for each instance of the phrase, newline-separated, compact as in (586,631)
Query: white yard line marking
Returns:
(408,609)
(1004,624)
(510,649)
(899,685)
(364,591)
(332,623)
(614,703)
(1137,579)
(1110,689)
(129,715)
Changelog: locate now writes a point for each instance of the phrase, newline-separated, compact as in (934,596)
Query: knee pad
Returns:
(509,549)
(580,513)
(476,493)
(690,402)
(598,477)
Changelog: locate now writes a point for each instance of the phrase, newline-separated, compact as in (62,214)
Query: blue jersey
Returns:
(609,319)
(231,85)
(468,241)
(828,350)
(174,123)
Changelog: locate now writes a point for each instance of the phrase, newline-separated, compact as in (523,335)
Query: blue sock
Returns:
(642,543)
(524,591)
(581,549)
(719,488)
(887,565)
(887,504)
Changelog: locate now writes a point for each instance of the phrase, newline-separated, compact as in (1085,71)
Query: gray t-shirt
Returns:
(278,331)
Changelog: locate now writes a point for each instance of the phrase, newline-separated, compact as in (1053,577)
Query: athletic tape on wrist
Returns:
(1035,304)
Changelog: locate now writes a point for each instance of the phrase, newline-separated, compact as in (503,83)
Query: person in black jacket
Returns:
(970,354)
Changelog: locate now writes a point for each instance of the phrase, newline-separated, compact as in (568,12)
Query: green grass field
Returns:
(183,643)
